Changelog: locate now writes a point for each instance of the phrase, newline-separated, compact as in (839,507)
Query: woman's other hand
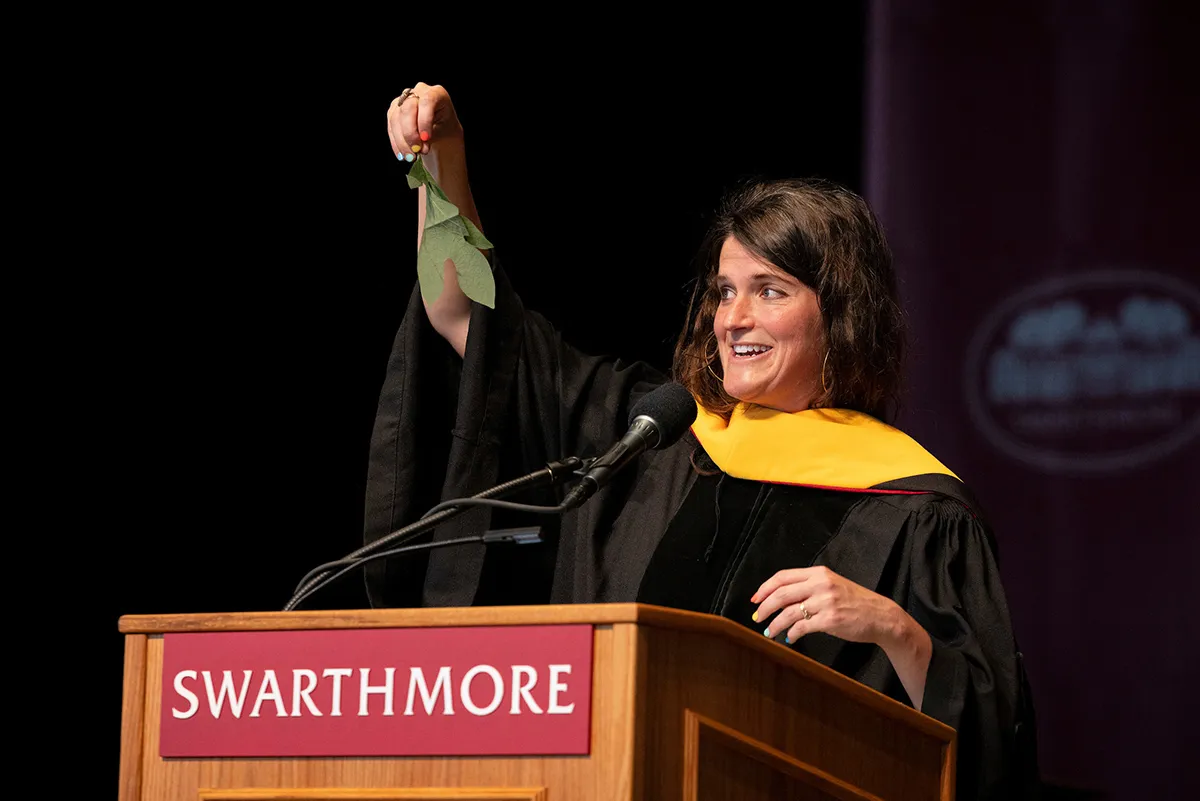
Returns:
(812,599)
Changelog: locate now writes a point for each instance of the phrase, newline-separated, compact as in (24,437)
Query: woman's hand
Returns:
(422,118)
(812,599)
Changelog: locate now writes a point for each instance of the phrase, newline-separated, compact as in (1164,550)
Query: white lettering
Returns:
(337,674)
(304,684)
(193,701)
(365,689)
(216,702)
(304,692)
(272,694)
(497,695)
(416,681)
(555,688)
(520,690)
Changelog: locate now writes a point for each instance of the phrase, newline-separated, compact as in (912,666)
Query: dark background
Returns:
(258,243)
(248,362)
(267,241)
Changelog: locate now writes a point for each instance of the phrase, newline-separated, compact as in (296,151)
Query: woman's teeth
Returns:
(750,350)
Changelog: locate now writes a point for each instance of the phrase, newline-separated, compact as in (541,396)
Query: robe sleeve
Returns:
(443,425)
(976,681)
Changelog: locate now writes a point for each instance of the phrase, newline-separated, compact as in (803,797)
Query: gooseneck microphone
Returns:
(658,420)
(326,573)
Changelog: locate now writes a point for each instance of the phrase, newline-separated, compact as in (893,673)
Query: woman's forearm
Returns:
(450,314)
(447,163)
(909,649)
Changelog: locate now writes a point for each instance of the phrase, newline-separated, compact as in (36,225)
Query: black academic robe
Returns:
(521,397)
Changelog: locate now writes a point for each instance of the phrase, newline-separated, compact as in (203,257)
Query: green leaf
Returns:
(449,235)
(455,224)
(438,210)
(418,175)
(476,237)
(437,190)
(475,277)
(437,245)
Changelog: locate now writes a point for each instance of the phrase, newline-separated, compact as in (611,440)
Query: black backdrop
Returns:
(250,245)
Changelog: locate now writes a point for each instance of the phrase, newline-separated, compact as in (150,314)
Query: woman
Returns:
(789,507)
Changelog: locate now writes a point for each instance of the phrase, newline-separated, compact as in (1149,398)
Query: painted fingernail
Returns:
(424,136)
(767,631)
(416,148)
(788,639)
(408,156)
(400,156)
(754,617)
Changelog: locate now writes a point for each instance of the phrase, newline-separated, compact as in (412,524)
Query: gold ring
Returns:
(804,611)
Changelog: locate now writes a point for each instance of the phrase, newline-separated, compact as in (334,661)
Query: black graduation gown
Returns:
(521,397)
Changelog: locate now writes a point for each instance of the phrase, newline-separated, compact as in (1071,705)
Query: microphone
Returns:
(324,574)
(520,536)
(658,420)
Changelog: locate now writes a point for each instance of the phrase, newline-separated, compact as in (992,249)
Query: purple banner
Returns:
(1035,168)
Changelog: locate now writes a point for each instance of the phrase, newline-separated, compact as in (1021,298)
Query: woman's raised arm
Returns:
(423,120)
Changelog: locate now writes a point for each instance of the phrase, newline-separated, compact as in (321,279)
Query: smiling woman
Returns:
(790,507)
(802,267)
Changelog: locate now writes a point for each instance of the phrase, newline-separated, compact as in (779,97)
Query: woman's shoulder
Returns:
(940,510)
(932,488)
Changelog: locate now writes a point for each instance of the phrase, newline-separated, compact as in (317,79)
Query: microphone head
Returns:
(672,409)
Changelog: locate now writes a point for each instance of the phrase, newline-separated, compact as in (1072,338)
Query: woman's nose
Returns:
(740,313)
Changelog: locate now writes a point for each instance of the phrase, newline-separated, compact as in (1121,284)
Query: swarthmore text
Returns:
(367,692)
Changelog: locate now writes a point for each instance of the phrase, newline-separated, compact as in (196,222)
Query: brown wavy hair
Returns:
(828,238)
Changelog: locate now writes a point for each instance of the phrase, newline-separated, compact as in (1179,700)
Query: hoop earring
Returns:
(708,360)
(824,364)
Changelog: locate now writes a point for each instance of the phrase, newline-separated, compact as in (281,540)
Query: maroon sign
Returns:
(378,692)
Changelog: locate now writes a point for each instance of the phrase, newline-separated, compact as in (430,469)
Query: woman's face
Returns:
(768,326)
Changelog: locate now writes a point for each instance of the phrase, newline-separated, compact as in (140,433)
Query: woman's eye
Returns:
(771,292)
(725,292)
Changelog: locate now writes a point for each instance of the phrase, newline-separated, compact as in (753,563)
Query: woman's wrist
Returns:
(909,648)
(447,157)
(901,637)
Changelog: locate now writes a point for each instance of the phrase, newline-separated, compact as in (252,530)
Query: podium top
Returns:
(532,615)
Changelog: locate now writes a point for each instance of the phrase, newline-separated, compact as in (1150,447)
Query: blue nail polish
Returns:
(408,157)
(767,631)
(788,640)
(400,157)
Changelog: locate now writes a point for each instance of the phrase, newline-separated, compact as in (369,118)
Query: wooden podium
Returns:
(684,706)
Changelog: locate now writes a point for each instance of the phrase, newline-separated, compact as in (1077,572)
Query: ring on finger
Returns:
(405,95)
(804,611)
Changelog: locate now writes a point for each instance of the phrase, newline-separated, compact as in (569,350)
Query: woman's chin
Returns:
(741,391)
(757,396)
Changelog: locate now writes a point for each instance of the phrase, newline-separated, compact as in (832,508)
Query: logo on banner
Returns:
(1092,372)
